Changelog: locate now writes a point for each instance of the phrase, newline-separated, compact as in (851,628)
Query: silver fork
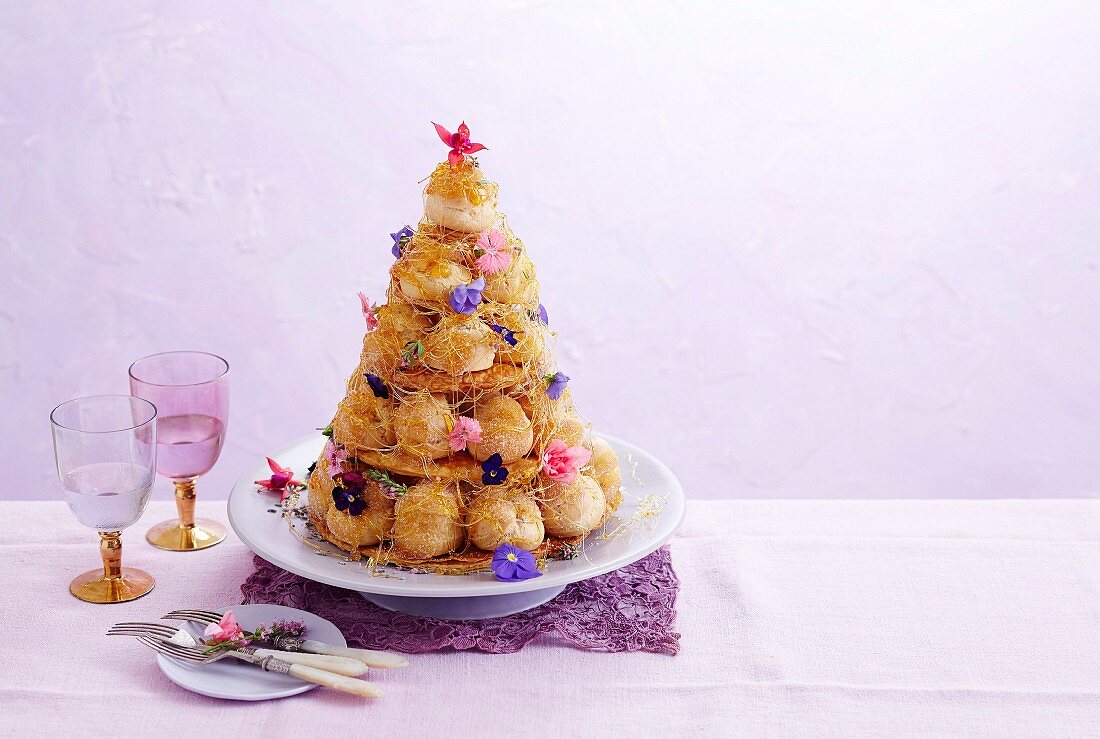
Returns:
(369,657)
(197,656)
(339,665)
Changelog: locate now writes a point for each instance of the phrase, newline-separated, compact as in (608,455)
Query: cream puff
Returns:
(461,346)
(504,517)
(505,429)
(572,509)
(605,465)
(364,421)
(430,277)
(515,285)
(428,520)
(422,423)
(369,527)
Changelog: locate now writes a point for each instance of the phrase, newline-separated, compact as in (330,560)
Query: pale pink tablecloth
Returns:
(798,618)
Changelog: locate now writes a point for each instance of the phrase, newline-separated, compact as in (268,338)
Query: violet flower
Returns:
(347,494)
(505,333)
(377,386)
(556,384)
(466,298)
(542,315)
(512,564)
(493,471)
(400,239)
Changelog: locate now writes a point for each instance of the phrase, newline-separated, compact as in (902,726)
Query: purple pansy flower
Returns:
(493,471)
(512,564)
(556,384)
(400,239)
(542,314)
(505,333)
(466,298)
(347,494)
(377,386)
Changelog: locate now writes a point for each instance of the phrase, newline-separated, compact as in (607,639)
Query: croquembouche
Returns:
(458,432)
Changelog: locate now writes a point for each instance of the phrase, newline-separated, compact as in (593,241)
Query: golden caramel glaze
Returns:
(605,468)
(364,421)
(368,528)
(516,285)
(459,345)
(428,520)
(572,509)
(421,423)
(505,429)
(505,516)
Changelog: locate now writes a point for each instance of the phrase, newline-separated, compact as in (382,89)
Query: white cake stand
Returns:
(646,481)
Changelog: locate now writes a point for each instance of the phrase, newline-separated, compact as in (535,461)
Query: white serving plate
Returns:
(478,595)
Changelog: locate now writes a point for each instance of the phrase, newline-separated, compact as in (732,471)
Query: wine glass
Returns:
(191,393)
(106,450)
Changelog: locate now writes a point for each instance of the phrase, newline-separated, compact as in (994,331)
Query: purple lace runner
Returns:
(629,610)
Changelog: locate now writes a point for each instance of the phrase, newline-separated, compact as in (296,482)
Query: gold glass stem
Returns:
(186,533)
(114,583)
(110,548)
(185,502)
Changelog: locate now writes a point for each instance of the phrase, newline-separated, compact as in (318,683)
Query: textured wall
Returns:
(794,252)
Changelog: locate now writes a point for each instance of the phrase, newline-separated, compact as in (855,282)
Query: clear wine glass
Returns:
(191,393)
(106,450)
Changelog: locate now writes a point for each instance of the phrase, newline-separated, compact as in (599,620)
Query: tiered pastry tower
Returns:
(458,433)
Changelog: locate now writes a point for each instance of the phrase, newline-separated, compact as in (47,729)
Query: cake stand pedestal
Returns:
(465,609)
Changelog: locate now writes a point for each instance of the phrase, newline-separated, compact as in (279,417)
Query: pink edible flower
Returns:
(368,312)
(281,480)
(226,630)
(466,430)
(561,462)
(459,141)
(496,256)
(336,458)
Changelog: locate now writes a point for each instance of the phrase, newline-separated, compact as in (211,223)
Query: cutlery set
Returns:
(322,664)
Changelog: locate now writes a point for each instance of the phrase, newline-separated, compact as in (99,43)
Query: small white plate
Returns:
(232,679)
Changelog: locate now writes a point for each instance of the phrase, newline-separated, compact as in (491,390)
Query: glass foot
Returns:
(175,538)
(93,587)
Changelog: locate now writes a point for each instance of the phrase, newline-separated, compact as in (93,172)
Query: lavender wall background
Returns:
(794,252)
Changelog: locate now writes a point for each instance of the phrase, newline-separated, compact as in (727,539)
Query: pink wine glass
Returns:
(191,393)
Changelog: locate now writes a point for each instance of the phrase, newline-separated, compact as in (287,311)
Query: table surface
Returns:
(797,617)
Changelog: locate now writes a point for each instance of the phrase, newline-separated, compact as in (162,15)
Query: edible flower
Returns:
(225,634)
(466,298)
(400,238)
(368,312)
(391,488)
(413,351)
(459,141)
(493,471)
(336,456)
(277,630)
(495,254)
(561,462)
(512,564)
(281,480)
(466,430)
(505,333)
(377,386)
(555,384)
(347,494)
(542,315)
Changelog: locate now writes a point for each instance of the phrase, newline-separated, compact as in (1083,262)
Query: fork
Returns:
(309,674)
(369,657)
(339,665)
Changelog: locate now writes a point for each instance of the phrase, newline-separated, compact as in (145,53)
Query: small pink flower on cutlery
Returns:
(495,254)
(561,462)
(281,480)
(225,631)
(369,309)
